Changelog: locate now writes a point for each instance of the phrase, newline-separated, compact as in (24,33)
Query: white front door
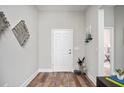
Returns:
(62,50)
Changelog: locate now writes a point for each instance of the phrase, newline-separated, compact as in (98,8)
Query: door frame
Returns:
(112,49)
(101,43)
(52,48)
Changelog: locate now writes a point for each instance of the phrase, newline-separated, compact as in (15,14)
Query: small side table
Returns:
(102,82)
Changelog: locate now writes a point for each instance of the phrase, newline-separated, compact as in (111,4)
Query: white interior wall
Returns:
(119,36)
(91,48)
(18,63)
(108,16)
(59,20)
(24,60)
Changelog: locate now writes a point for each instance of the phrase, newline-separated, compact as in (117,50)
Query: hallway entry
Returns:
(62,50)
(108,51)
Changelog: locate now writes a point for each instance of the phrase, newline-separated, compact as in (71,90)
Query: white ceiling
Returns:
(61,7)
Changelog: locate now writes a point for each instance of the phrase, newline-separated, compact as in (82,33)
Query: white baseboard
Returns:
(93,79)
(63,70)
(30,79)
(58,70)
(45,70)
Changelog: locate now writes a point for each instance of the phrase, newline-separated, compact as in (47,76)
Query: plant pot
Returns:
(120,77)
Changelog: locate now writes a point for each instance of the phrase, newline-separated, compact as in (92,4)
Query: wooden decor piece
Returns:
(4,24)
(21,32)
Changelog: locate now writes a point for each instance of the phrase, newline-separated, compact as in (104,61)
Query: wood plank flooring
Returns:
(60,79)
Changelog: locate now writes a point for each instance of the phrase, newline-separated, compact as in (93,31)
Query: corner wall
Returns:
(108,16)
(91,18)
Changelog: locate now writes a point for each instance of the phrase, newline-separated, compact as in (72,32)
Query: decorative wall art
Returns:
(21,32)
(88,35)
(4,24)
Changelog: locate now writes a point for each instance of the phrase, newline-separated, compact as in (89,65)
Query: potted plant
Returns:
(120,74)
(82,65)
(80,62)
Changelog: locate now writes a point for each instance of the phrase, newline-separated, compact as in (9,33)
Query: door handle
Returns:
(69,51)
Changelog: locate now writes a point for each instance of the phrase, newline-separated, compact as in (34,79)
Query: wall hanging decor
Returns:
(88,38)
(21,32)
(4,24)
(88,35)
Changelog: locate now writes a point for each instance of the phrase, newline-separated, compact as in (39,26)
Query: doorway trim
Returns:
(101,43)
(52,48)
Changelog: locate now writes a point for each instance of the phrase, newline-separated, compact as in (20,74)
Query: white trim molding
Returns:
(93,79)
(101,42)
(29,79)
(45,70)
